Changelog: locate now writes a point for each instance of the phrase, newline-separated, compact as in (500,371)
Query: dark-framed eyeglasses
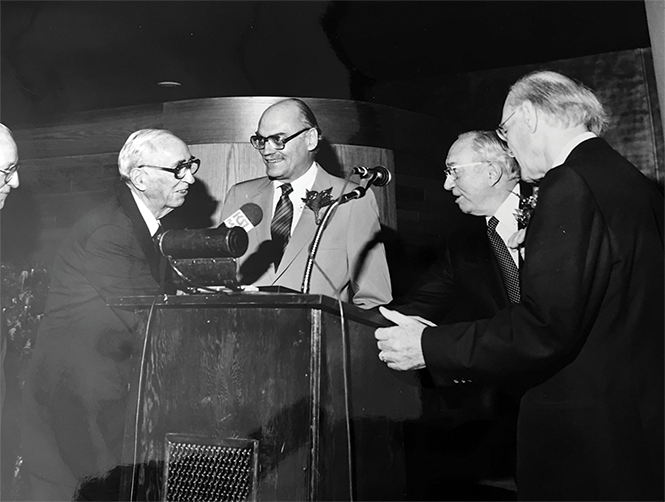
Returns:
(452,170)
(501,131)
(180,170)
(10,171)
(277,142)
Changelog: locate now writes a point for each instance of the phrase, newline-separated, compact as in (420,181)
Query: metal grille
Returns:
(209,469)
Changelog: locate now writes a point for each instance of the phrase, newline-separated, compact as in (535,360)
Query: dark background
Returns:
(61,57)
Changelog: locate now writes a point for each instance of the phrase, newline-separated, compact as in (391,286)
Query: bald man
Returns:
(350,263)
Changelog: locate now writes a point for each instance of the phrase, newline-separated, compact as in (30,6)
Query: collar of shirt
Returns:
(149,218)
(568,147)
(507,222)
(299,186)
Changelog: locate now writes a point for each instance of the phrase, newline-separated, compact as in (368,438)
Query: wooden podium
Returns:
(269,369)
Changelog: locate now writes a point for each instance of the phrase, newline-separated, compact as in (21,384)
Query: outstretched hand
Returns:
(399,346)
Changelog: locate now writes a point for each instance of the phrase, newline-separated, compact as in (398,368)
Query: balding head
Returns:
(293,121)
(8,163)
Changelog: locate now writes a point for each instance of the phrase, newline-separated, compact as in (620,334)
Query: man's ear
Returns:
(137,179)
(531,116)
(494,173)
(312,139)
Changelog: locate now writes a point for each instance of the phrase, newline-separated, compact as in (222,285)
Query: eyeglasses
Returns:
(501,130)
(180,170)
(277,142)
(452,170)
(9,172)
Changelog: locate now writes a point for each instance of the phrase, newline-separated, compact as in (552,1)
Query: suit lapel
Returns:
(305,229)
(478,261)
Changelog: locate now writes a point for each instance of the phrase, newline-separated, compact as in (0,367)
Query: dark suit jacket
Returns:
(464,284)
(350,251)
(76,390)
(587,336)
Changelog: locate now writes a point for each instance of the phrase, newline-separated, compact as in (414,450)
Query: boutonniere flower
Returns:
(317,201)
(526,208)
(523,215)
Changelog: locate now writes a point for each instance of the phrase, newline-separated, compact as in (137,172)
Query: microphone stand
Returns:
(356,193)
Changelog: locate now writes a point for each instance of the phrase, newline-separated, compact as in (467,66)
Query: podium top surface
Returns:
(258,299)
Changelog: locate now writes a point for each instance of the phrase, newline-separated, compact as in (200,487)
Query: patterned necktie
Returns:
(280,228)
(509,271)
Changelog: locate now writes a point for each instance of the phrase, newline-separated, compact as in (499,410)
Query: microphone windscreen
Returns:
(253,212)
(221,242)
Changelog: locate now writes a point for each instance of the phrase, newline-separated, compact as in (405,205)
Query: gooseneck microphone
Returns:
(378,176)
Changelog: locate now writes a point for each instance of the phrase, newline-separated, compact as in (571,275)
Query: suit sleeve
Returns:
(370,278)
(435,295)
(230,203)
(564,278)
(115,265)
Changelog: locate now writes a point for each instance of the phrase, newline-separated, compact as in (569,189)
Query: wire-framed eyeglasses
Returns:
(501,131)
(452,170)
(10,171)
(181,169)
(277,142)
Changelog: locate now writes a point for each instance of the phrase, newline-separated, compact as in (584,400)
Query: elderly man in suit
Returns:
(350,263)
(8,180)
(474,278)
(587,336)
(76,392)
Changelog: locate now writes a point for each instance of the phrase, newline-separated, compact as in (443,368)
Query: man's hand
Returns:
(399,346)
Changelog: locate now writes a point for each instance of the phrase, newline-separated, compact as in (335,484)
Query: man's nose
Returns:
(189,177)
(14,181)
(449,182)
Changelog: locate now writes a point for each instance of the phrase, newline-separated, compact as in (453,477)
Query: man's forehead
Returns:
(279,120)
(8,154)
(170,149)
(459,151)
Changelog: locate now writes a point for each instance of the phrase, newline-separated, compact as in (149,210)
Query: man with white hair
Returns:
(586,339)
(77,387)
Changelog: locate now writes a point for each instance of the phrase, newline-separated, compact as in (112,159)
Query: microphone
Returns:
(220,242)
(378,176)
(248,216)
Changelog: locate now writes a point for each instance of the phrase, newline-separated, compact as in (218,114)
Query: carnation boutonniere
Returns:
(523,215)
(317,201)
(526,208)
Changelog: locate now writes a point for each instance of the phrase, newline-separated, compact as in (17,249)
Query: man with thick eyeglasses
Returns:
(8,180)
(9,164)
(77,386)
(350,262)
(586,339)
(467,283)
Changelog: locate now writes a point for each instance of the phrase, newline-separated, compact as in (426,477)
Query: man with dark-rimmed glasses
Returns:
(9,164)
(351,263)
(77,386)
(8,180)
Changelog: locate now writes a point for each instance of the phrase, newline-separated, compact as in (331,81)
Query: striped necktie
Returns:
(509,271)
(280,228)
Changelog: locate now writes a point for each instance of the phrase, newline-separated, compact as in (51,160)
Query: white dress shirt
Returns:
(299,186)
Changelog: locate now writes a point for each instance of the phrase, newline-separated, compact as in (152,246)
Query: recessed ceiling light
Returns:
(167,83)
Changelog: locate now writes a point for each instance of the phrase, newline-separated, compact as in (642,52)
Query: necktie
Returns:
(280,228)
(511,276)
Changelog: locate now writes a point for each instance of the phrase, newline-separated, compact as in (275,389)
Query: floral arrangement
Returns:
(317,201)
(23,301)
(526,208)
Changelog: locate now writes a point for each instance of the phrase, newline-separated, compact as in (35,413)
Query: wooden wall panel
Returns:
(86,133)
